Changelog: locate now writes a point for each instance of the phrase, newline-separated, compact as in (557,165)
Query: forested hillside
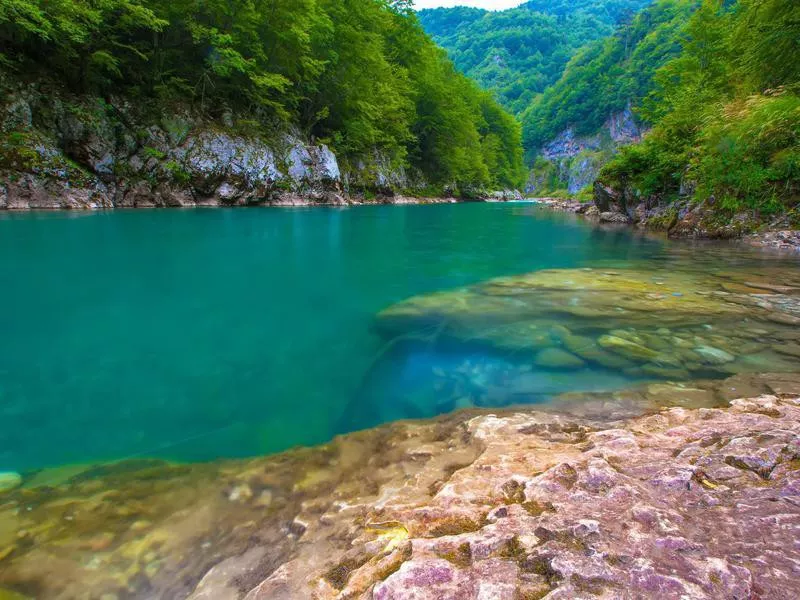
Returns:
(726,115)
(608,75)
(518,53)
(360,75)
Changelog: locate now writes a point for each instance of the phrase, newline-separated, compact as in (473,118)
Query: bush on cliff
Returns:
(726,112)
(359,74)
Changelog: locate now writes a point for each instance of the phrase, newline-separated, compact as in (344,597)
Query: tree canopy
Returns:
(518,53)
(726,112)
(608,75)
(359,74)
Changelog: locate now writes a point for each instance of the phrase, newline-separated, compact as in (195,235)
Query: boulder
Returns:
(614,217)
(554,358)
(606,197)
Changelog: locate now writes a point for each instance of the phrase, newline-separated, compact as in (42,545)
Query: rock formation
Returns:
(700,503)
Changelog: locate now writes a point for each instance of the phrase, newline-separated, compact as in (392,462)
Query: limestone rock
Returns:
(502,505)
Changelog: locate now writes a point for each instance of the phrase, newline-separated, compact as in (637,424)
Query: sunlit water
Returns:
(201,334)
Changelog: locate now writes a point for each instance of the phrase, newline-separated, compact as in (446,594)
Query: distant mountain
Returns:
(608,76)
(579,123)
(518,53)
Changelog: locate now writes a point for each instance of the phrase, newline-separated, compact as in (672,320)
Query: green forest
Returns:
(361,75)
(725,113)
(518,53)
(716,81)
(607,75)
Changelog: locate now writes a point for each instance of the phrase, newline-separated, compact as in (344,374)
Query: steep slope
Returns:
(575,126)
(359,76)
(517,53)
(723,156)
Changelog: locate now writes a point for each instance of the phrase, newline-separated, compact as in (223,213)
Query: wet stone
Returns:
(554,358)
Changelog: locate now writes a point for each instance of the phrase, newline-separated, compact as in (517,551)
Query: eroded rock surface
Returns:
(61,151)
(700,503)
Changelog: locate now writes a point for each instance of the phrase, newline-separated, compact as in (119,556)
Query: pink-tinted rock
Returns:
(681,504)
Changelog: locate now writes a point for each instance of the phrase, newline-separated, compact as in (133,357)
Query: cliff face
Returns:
(572,162)
(78,152)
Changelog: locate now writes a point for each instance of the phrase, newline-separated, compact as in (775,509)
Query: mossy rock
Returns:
(554,358)
(588,349)
(627,348)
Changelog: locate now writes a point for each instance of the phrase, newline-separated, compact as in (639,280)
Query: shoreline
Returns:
(523,500)
(289,201)
(774,239)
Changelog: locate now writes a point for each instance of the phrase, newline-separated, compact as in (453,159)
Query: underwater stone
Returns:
(627,348)
(9,480)
(587,349)
(665,372)
(714,356)
(789,349)
(553,358)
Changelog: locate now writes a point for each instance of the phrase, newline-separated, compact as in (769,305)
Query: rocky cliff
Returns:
(63,151)
(572,162)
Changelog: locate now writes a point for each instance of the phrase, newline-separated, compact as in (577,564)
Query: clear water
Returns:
(201,334)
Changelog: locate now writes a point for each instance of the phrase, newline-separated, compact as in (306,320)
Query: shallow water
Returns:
(203,334)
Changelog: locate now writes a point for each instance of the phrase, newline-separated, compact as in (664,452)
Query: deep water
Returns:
(201,334)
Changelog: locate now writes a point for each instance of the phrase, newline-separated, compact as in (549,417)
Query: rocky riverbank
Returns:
(60,151)
(684,221)
(685,502)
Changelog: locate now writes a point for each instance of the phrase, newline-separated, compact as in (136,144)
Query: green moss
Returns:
(394,566)
(177,172)
(17,152)
(664,221)
(456,525)
(514,550)
(460,557)
(541,566)
(151,152)
(340,574)
(535,509)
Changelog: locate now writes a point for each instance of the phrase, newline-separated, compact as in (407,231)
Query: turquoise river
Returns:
(202,334)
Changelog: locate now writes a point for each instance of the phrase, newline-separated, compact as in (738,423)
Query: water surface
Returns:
(200,334)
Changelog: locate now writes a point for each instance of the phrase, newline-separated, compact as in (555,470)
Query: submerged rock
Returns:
(714,356)
(9,481)
(627,348)
(674,326)
(554,358)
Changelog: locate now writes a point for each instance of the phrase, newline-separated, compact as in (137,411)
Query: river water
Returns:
(203,334)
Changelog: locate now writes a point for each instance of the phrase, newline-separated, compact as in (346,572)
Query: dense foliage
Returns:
(608,75)
(726,112)
(518,53)
(360,74)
